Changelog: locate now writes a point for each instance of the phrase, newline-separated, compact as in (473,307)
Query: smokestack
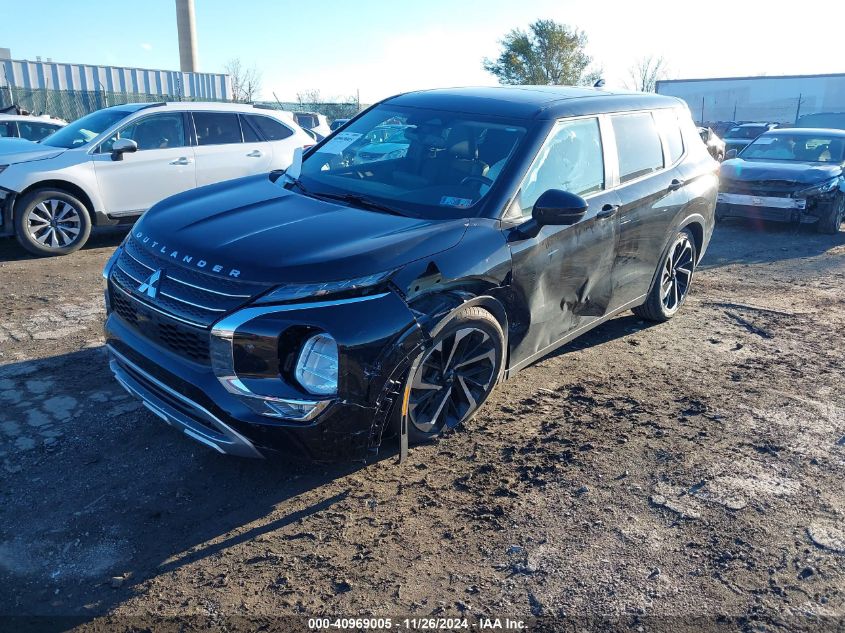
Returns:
(186,25)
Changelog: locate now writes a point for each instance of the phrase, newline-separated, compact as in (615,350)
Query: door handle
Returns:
(182,160)
(256,153)
(608,211)
(675,184)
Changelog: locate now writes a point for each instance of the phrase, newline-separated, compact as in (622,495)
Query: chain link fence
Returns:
(332,110)
(73,104)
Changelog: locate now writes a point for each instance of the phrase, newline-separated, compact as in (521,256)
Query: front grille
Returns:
(185,294)
(767,188)
(186,302)
(183,339)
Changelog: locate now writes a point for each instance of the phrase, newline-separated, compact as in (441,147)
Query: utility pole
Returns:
(702,110)
(798,109)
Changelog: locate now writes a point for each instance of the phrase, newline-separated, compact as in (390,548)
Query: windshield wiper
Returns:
(357,200)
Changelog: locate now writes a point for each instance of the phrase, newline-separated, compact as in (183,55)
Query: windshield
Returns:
(745,132)
(419,162)
(797,147)
(84,130)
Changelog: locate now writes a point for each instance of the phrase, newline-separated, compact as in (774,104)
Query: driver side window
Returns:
(571,159)
(159,131)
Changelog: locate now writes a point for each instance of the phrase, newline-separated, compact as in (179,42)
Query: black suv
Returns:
(314,309)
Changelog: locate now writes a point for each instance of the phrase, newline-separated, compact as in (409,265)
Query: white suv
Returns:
(112,165)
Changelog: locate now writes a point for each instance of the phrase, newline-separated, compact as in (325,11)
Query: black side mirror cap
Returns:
(556,207)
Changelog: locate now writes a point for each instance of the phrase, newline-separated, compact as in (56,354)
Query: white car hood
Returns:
(22,151)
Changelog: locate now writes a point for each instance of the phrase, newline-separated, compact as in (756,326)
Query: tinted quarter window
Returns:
(571,160)
(217,128)
(637,144)
(250,135)
(270,128)
(668,122)
(7,129)
(158,131)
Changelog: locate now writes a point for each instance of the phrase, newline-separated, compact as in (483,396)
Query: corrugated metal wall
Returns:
(56,76)
(775,99)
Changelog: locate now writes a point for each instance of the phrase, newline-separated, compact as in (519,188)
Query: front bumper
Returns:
(772,208)
(7,203)
(375,342)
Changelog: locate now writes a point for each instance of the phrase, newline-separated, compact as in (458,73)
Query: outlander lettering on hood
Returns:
(185,258)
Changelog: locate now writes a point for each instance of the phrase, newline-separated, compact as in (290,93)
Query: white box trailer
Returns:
(772,99)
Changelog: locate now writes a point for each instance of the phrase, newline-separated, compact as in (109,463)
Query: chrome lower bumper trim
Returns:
(223,438)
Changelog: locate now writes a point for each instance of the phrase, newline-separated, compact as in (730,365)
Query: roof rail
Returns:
(153,105)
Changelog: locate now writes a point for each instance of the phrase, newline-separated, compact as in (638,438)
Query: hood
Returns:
(270,234)
(788,171)
(20,150)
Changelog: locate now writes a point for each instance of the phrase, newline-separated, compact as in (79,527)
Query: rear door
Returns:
(649,147)
(281,139)
(562,274)
(163,165)
(225,150)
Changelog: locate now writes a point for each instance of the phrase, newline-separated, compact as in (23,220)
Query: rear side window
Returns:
(35,131)
(250,135)
(217,128)
(667,120)
(270,128)
(7,129)
(637,144)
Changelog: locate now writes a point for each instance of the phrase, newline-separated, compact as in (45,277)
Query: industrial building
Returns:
(780,99)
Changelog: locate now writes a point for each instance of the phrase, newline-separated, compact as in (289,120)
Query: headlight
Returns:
(316,367)
(826,187)
(293,292)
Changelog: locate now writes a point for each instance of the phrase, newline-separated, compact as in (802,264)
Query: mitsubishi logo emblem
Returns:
(150,286)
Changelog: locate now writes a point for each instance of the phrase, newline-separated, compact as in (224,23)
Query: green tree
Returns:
(549,53)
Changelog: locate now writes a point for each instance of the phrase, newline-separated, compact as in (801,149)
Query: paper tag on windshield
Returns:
(340,142)
(449,201)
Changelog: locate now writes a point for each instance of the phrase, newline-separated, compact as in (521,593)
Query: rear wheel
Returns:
(455,377)
(673,280)
(831,222)
(51,222)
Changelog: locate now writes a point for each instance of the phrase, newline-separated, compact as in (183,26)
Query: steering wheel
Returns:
(484,180)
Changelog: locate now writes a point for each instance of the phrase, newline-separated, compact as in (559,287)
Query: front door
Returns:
(163,165)
(562,274)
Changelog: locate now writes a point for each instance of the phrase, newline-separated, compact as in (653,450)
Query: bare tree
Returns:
(646,72)
(246,82)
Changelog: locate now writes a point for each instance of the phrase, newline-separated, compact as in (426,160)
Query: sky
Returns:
(376,48)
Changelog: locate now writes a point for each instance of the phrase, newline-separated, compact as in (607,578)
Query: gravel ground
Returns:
(643,476)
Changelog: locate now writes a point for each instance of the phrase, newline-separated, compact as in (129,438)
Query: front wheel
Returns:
(673,280)
(830,223)
(456,375)
(51,222)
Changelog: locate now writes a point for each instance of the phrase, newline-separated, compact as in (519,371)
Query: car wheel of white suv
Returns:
(51,222)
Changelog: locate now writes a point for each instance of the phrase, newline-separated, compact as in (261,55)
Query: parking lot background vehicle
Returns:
(112,165)
(550,210)
(740,136)
(31,128)
(788,175)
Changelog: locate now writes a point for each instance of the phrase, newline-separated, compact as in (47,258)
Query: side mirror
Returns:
(731,154)
(121,147)
(558,208)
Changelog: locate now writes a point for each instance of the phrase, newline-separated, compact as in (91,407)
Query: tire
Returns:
(51,222)
(672,280)
(472,347)
(830,223)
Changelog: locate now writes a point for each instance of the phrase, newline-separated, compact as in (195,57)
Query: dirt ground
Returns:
(643,476)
